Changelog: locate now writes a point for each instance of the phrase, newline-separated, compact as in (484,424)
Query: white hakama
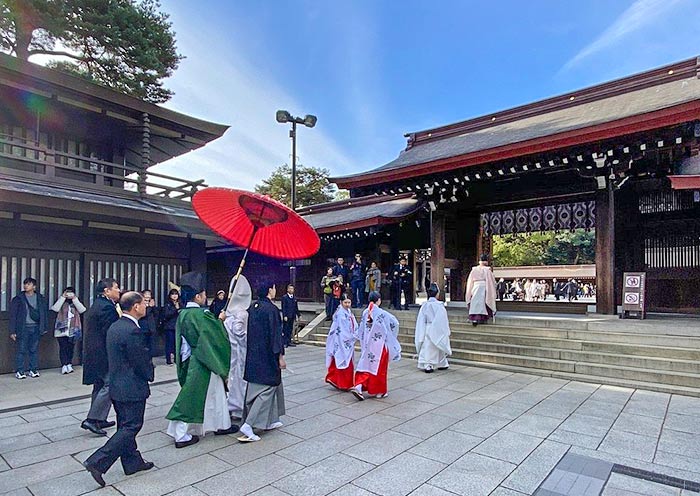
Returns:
(216,416)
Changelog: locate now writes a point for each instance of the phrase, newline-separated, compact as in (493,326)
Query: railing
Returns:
(35,161)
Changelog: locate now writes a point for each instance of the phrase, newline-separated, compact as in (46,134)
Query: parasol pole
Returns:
(242,264)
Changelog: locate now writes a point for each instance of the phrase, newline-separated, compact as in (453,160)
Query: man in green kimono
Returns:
(203,357)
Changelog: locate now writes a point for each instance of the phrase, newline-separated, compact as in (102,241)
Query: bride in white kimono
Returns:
(432,333)
(236,324)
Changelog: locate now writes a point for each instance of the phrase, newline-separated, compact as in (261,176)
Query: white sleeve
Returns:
(78,305)
(59,303)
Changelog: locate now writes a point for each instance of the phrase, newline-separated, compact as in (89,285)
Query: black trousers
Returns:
(123,443)
(287,327)
(65,350)
(169,344)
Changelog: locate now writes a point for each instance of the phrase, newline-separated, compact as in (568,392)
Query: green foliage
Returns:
(126,45)
(547,248)
(312,186)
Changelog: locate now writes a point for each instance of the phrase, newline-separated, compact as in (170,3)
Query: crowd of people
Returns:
(359,279)
(539,290)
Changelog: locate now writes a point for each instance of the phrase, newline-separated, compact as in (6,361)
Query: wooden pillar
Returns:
(465,242)
(437,252)
(145,153)
(605,250)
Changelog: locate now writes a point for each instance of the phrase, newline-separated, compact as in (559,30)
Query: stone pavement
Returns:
(53,386)
(468,431)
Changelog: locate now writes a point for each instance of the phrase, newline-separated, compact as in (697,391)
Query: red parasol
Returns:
(257,222)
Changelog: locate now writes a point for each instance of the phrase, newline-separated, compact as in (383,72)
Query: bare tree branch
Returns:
(57,53)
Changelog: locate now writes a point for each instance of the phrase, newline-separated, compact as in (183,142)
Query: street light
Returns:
(283,116)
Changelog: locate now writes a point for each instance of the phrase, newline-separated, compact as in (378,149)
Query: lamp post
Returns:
(309,121)
(283,116)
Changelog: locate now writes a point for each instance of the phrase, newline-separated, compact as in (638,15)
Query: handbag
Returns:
(33,311)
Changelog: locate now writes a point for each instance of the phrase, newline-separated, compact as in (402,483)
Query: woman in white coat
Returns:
(432,333)
(68,328)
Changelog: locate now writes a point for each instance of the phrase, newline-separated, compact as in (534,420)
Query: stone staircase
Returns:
(622,353)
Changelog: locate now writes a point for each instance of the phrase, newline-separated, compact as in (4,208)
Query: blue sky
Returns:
(374,70)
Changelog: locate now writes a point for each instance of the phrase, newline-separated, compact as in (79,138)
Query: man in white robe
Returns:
(481,292)
(432,333)
(236,324)
(202,359)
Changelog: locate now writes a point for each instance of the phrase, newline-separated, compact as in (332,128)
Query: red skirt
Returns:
(375,384)
(340,378)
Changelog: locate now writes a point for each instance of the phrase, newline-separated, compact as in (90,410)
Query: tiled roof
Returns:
(644,93)
(353,213)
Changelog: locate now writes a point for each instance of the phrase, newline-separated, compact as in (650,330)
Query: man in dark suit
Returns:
(290,312)
(102,314)
(28,322)
(130,371)
(401,277)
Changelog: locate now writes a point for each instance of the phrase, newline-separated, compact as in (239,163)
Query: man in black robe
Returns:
(264,398)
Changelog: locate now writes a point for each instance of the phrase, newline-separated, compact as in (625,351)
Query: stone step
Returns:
(666,358)
(645,369)
(609,358)
(578,376)
(692,390)
(559,338)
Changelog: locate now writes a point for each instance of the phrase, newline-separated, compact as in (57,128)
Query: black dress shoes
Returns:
(184,444)
(144,466)
(96,474)
(93,427)
(230,430)
(104,424)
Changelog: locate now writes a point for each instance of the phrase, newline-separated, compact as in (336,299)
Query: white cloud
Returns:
(225,86)
(640,14)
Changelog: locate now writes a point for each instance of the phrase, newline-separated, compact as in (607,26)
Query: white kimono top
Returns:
(381,332)
(340,343)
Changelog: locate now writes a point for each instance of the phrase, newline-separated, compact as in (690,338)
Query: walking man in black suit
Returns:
(130,371)
(290,313)
(102,314)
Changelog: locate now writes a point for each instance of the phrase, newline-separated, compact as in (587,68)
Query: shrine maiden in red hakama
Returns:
(377,333)
(340,348)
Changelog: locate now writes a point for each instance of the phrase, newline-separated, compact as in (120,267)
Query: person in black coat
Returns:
(130,371)
(501,289)
(102,314)
(149,322)
(168,319)
(264,397)
(218,305)
(401,277)
(290,312)
(29,314)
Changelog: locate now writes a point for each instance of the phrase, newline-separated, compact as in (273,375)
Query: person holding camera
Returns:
(28,321)
(68,328)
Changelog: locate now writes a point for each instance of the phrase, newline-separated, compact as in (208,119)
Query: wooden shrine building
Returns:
(620,157)
(77,199)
